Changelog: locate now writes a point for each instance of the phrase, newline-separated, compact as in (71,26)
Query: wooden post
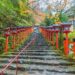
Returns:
(6,45)
(57,40)
(74,46)
(67,48)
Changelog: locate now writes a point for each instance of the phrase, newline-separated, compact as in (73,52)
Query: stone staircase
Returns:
(38,59)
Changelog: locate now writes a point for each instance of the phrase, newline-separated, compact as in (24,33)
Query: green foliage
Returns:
(71,35)
(63,17)
(2,42)
(10,14)
(48,21)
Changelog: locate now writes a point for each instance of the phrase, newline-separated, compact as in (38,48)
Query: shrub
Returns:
(2,42)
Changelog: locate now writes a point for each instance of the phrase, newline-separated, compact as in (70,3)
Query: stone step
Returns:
(43,62)
(40,52)
(36,54)
(27,60)
(55,73)
(12,66)
(33,58)
(47,73)
(58,69)
(29,56)
(49,50)
(46,52)
(33,69)
(13,72)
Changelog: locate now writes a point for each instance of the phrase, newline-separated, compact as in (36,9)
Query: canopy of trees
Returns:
(21,13)
(15,13)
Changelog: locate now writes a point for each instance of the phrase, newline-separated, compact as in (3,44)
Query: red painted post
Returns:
(66,30)
(57,40)
(52,38)
(48,36)
(74,46)
(14,33)
(67,48)
(64,42)
(52,35)
(13,45)
(17,35)
(56,30)
(7,34)
(6,45)
(20,36)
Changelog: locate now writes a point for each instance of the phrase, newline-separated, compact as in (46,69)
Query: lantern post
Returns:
(66,30)
(52,35)
(56,29)
(14,32)
(7,34)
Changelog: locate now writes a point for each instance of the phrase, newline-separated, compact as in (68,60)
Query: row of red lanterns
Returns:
(48,33)
(20,32)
